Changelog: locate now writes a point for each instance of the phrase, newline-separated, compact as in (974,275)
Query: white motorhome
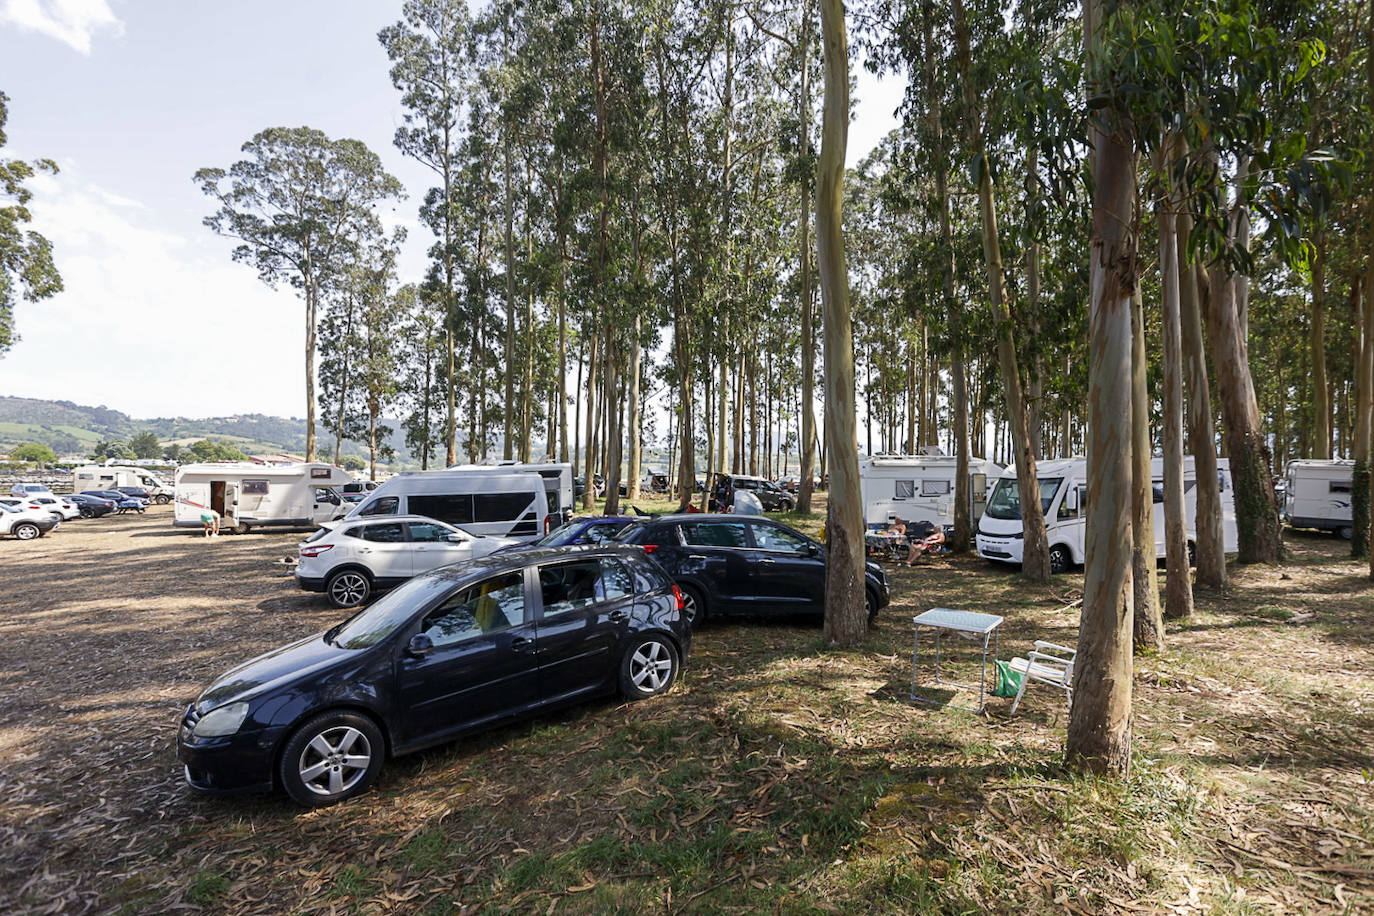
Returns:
(513,503)
(920,488)
(1318,495)
(1063,485)
(558,482)
(258,496)
(109,476)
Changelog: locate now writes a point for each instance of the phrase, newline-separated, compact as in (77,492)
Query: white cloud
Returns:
(71,22)
(155,319)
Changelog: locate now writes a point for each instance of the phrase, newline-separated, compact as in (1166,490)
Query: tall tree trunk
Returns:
(508,146)
(807,470)
(846,618)
(1148,621)
(1035,380)
(1099,738)
(451,394)
(312,300)
(615,421)
(1321,399)
(589,496)
(1035,559)
(1178,589)
(1202,439)
(343,383)
(632,405)
(1364,407)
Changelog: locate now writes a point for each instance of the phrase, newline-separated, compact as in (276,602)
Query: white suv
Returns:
(351,559)
(25,523)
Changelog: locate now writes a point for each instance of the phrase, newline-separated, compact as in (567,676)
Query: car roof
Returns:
(386,519)
(519,559)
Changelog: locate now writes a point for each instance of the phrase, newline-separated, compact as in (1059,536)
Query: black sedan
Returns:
(92,506)
(732,564)
(452,651)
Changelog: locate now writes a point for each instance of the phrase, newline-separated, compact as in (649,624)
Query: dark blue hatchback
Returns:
(455,650)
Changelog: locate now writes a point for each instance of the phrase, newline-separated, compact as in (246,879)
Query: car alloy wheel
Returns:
(331,757)
(693,606)
(349,588)
(26,531)
(1059,559)
(649,668)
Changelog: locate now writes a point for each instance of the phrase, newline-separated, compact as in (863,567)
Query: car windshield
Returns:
(1005,502)
(390,611)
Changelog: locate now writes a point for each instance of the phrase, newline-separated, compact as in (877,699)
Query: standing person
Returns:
(209,518)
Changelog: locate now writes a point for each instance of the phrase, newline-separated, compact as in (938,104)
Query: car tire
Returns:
(648,668)
(163,500)
(241,528)
(87,513)
(693,605)
(331,757)
(348,588)
(26,531)
(1060,559)
(1192,553)
(871,605)
(1346,533)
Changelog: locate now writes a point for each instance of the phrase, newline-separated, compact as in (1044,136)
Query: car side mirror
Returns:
(420,646)
(813,550)
(1071,500)
(454,538)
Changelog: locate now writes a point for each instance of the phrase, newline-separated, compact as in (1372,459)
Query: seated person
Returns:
(925,537)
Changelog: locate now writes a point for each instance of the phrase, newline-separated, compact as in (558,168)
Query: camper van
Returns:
(558,482)
(1063,483)
(109,476)
(513,503)
(1318,495)
(920,488)
(251,496)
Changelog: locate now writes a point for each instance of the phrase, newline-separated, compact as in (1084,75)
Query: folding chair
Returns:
(1046,667)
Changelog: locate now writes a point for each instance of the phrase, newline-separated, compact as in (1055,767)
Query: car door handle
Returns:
(364,550)
(617,616)
(697,556)
(765,561)
(521,644)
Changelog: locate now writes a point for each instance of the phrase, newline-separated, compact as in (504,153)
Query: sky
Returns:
(130,98)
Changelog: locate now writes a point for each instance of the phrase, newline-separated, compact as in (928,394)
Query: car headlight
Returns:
(223,721)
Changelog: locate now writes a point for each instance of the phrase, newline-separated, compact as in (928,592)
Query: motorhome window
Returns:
(454,508)
(499,507)
(1158,487)
(934,487)
(390,533)
(384,506)
(904,489)
(255,488)
(321,473)
(1339,486)
(1005,502)
(551,493)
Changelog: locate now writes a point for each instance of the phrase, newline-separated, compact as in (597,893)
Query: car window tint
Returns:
(615,579)
(385,534)
(500,507)
(384,506)
(715,534)
(570,586)
(454,508)
(487,607)
(599,534)
(770,537)
(428,532)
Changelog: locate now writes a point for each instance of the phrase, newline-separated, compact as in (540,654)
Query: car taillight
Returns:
(677,596)
(314,550)
(548,523)
(650,548)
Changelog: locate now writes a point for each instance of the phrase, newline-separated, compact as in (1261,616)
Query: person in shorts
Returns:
(209,518)
(925,537)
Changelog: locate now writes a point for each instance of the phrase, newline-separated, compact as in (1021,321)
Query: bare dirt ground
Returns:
(779,776)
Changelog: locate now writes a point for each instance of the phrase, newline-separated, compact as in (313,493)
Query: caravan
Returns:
(920,488)
(558,483)
(110,476)
(1318,495)
(1063,485)
(258,496)
(512,503)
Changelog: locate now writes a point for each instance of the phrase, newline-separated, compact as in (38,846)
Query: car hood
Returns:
(271,670)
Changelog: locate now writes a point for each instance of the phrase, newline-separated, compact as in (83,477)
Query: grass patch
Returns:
(207,887)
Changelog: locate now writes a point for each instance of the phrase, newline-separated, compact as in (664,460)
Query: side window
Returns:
(387,505)
(663,536)
(355,532)
(904,489)
(770,537)
(1158,487)
(426,532)
(934,487)
(456,509)
(1339,486)
(648,576)
(500,507)
(384,534)
(487,607)
(718,534)
(615,579)
(570,586)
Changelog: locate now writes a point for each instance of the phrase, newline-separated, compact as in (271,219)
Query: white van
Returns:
(1063,485)
(1318,495)
(109,476)
(510,504)
(920,488)
(558,483)
(248,496)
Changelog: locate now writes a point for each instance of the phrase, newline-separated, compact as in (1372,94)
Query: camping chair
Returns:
(1047,667)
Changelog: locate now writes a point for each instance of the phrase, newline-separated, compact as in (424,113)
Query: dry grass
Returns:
(779,777)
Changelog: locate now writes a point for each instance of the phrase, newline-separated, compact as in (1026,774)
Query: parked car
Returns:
(136,492)
(123,503)
(587,529)
(773,497)
(30,489)
(352,559)
(92,506)
(728,564)
(452,651)
(25,523)
(30,505)
(61,506)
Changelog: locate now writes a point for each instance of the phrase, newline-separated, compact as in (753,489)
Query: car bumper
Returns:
(241,762)
(1002,548)
(310,583)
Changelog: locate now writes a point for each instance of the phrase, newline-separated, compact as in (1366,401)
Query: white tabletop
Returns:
(963,621)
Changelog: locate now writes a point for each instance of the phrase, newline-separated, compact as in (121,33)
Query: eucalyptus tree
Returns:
(426,337)
(299,205)
(27,270)
(429,53)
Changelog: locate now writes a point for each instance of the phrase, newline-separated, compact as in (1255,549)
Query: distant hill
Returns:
(71,429)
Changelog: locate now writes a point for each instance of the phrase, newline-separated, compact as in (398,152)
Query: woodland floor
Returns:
(778,776)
